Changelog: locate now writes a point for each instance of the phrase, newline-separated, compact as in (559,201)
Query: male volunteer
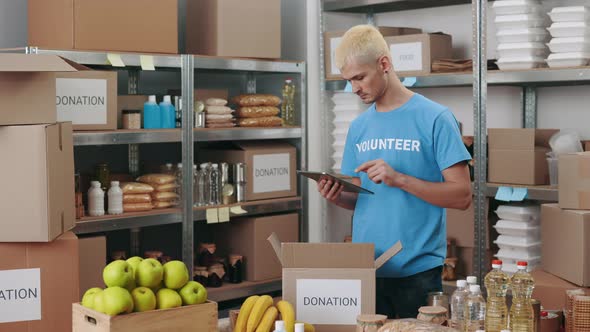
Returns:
(408,150)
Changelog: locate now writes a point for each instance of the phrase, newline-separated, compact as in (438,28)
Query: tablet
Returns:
(343,180)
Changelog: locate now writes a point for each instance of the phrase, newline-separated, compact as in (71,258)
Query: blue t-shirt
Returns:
(421,139)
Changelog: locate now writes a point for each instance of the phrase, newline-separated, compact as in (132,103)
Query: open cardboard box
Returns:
(574,181)
(330,284)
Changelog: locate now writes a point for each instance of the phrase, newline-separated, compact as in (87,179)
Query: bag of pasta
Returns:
(256,100)
(136,188)
(157,178)
(257,111)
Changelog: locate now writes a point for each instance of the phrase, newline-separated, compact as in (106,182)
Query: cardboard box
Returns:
(550,290)
(461,226)
(586,145)
(234,28)
(330,284)
(46,275)
(51,24)
(129,102)
(465,260)
(197,318)
(412,55)
(574,181)
(518,155)
(32,84)
(565,243)
(332,40)
(38,203)
(270,167)
(93,259)
(247,237)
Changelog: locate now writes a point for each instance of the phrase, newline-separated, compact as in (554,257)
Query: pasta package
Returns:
(136,188)
(270,121)
(168,187)
(218,110)
(157,178)
(137,207)
(136,198)
(216,102)
(257,100)
(163,205)
(257,111)
(165,196)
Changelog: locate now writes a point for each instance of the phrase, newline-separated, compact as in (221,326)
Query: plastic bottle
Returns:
(168,169)
(95,200)
(299,327)
(471,280)
(457,320)
(521,313)
(279,326)
(179,180)
(202,185)
(288,105)
(214,185)
(115,195)
(151,114)
(475,310)
(167,113)
(496,283)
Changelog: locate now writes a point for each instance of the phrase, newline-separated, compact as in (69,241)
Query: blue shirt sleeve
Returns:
(449,148)
(349,160)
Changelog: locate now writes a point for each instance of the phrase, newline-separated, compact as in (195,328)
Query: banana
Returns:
(268,320)
(287,314)
(308,327)
(262,303)
(245,311)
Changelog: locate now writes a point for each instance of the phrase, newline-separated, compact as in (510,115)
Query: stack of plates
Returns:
(347,106)
(570,46)
(521,34)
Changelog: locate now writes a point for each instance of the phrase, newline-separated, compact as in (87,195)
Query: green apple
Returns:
(118,273)
(134,261)
(175,274)
(193,293)
(88,298)
(143,299)
(99,302)
(168,298)
(149,273)
(117,300)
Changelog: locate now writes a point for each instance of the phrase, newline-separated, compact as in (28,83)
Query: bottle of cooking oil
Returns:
(475,310)
(521,312)
(496,310)
(288,105)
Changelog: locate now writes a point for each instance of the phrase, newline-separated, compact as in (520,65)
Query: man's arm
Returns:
(333,193)
(454,192)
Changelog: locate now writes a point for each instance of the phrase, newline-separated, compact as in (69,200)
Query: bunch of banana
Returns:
(258,314)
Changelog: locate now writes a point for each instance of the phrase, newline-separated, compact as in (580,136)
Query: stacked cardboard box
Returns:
(39,269)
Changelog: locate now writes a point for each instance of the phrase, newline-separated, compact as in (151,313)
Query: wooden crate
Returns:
(194,318)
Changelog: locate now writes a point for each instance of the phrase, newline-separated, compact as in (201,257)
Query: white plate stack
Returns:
(347,107)
(521,34)
(520,236)
(570,46)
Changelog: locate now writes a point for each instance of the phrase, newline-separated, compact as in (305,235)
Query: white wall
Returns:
(13,23)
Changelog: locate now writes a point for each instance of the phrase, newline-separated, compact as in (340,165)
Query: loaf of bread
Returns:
(136,198)
(257,111)
(270,121)
(136,188)
(256,100)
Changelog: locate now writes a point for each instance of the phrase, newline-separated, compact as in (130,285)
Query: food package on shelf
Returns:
(218,115)
(413,325)
(256,100)
(136,188)
(269,121)
(162,188)
(165,197)
(157,178)
(257,111)
(136,198)
(137,207)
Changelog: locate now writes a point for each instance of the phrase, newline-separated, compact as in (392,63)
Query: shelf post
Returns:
(187,76)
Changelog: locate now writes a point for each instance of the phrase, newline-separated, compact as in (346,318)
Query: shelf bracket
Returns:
(529,106)
(133,149)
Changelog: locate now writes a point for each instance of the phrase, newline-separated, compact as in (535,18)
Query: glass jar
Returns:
(235,269)
(433,314)
(370,323)
(102,174)
(201,275)
(131,119)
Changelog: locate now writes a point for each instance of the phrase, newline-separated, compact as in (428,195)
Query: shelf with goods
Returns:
(244,289)
(382,6)
(129,220)
(241,134)
(537,193)
(252,208)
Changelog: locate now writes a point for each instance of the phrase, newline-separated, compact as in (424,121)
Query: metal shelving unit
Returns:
(537,193)
(253,208)
(382,6)
(109,223)
(241,134)
(122,136)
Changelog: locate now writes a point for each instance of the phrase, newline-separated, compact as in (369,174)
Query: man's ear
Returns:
(384,63)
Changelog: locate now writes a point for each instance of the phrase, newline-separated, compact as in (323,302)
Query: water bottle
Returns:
(521,313)
(288,105)
(115,195)
(471,280)
(95,200)
(496,283)
(195,186)
(214,185)
(167,113)
(475,310)
(151,114)
(279,326)
(457,320)
(179,180)
(299,327)
(202,181)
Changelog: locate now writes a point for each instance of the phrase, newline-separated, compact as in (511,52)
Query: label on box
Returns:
(328,301)
(271,172)
(334,42)
(81,100)
(406,56)
(20,295)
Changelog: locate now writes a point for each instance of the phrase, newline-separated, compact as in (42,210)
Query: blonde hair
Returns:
(362,43)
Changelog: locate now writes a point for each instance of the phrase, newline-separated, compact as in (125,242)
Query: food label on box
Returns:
(334,42)
(20,295)
(271,172)
(406,56)
(327,301)
(81,100)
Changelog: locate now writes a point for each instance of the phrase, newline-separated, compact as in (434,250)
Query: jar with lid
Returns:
(216,274)
(433,314)
(235,269)
(102,174)
(131,119)
(370,323)
(201,275)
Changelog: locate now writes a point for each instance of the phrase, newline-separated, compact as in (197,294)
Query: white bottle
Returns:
(95,200)
(457,320)
(471,280)
(299,327)
(115,198)
(475,310)
(279,326)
